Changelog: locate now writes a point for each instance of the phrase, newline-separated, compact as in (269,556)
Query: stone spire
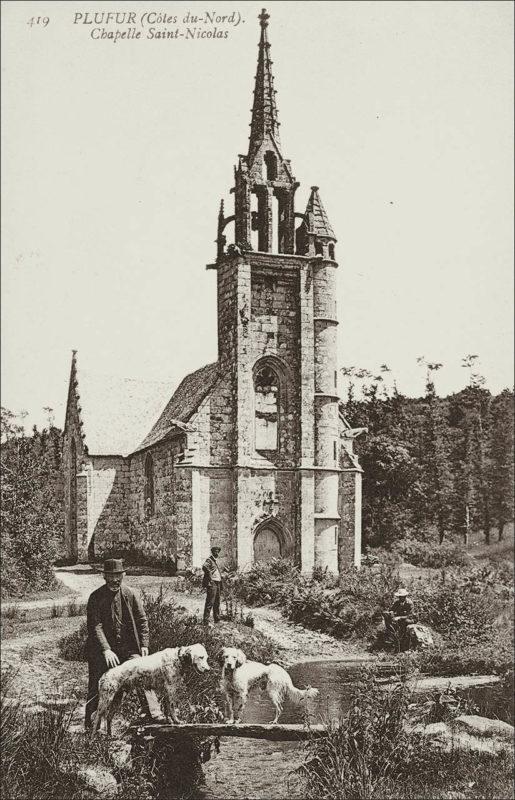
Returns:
(264,110)
(315,236)
(318,221)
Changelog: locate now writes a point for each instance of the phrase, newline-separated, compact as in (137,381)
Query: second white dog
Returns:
(240,675)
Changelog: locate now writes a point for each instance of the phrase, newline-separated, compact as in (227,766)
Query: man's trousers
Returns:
(212,601)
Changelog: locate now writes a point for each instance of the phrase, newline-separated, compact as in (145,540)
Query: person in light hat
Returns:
(117,631)
(400,615)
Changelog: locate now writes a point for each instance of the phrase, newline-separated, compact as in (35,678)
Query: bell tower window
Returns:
(266,404)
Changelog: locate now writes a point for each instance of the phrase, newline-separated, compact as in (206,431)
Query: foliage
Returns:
(41,756)
(32,509)
(470,610)
(366,748)
(374,754)
(443,463)
(430,554)
(266,583)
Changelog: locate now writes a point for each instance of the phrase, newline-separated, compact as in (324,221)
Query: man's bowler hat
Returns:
(113,565)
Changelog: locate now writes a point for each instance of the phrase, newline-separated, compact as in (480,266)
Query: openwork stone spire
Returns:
(264,111)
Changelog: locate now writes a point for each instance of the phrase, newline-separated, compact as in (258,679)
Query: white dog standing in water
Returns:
(240,675)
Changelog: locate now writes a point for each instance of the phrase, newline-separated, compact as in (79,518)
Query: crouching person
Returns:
(398,618)
(117,631)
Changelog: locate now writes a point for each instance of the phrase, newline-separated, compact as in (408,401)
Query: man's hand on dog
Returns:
(111,658)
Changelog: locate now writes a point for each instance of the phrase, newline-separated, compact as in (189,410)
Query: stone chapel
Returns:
(252,452)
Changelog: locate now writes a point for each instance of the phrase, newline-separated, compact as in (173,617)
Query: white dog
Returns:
(240,675)
(160,671)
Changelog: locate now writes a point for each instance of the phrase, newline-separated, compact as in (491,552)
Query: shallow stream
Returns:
(253,768)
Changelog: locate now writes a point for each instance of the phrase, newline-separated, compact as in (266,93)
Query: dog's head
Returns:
(232,658)
(195,656)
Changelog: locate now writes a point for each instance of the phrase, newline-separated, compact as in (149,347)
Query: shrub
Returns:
(266,582)
(348,606)
(367,747)
(432,554)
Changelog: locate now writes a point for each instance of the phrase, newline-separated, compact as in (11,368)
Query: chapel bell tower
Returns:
(277,324)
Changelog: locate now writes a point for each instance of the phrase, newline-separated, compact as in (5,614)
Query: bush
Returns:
(432,554)
(366,748)
(348,606)
(266,582)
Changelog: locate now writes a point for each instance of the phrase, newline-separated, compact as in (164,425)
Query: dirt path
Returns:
(296,642)
(31,648)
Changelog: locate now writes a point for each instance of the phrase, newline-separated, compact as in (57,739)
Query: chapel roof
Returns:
(116,412)
(185,401)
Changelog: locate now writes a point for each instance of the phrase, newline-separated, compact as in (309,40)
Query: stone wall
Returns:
(107,481)
(347,522)
(154,535)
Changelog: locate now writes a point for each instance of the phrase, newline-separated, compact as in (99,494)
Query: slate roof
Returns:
(185,401)
(321,224)
(117,412)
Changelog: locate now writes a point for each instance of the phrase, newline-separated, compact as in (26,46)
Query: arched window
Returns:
(266,405)
(319,248)
(271,165)
(148,492)
(331,251)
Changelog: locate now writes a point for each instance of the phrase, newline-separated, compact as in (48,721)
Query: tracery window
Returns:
(266,405)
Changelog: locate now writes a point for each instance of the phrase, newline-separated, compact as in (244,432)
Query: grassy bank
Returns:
(469,609)
(372,754)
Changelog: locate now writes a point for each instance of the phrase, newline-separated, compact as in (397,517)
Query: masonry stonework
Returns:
(251,453)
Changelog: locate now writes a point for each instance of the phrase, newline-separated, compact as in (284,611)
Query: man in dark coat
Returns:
(212,583)
(117,631)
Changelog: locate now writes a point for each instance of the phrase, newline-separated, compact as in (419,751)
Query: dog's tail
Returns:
(301,695)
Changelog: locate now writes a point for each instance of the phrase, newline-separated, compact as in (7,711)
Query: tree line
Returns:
(32,507)
(432,464)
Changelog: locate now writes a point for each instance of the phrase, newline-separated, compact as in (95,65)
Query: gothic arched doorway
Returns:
(268,542)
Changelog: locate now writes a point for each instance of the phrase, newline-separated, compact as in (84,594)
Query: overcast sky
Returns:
(115,157)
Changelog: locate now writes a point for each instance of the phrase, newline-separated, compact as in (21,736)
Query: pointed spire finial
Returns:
(264,110)
(263,18)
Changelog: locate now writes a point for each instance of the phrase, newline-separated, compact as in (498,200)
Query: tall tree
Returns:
(32,513)
(501,454)
(436,476)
